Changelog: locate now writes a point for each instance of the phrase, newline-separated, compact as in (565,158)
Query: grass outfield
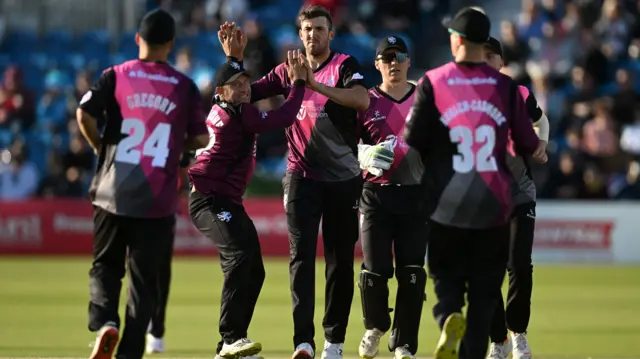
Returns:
(578,311)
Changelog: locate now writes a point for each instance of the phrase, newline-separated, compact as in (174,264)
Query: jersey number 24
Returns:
(156,144)
(467,159)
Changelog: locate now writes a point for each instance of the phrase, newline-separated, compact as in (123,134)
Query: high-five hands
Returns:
(296,66)
(232,39)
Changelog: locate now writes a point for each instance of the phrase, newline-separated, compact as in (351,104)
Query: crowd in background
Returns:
(580,58)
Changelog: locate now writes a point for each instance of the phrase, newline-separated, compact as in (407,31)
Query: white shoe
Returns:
(249,357)
(369,346)
(403,353)
(304,351)
(154,345)
(240,348)
(332,351)
(521,349)
(500,350)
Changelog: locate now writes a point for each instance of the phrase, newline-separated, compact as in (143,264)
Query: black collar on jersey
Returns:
(470,63)
(403,99)
(155,62)
(326,62)
(229,108)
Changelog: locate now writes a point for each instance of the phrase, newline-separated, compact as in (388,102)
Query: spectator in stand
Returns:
(614,29)
(226,10)
(80,156)
(593,60)
(52,108)
(555,50)
(397,15)
(515,51)
(259,55)
(184,61)
(204,80)
(599,138)
(197,20)
(565,180)
(627,100)
(530,20)
(626,186)
(18,177)
(82,85)
(594,184)
(16,102)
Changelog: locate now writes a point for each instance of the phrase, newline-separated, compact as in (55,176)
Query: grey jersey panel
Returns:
(328,154)
(525,189)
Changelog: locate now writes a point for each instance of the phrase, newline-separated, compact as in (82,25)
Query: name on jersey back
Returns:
(149,100)
(463,107)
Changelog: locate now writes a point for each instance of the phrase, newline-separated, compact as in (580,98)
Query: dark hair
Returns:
(312,12)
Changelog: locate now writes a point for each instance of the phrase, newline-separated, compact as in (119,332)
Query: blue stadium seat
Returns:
(96,47)
(127,43)
(57,43)
(208,47)
(270,16)
(21,41)
(6,138)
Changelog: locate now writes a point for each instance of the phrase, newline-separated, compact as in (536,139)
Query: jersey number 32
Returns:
(156,144)
(467,159)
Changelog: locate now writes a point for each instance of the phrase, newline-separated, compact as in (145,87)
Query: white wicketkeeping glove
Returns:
(376,158)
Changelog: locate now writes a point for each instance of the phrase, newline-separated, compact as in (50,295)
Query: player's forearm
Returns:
(355,97)
(89,128)
(283,117)
(542,128)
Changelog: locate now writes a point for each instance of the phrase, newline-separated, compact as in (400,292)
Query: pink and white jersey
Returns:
(150,108)
(323,140)
(385,121)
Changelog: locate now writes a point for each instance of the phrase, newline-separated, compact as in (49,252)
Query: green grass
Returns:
(578,311)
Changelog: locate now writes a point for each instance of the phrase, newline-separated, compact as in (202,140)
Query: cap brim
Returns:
(392,47)
(235,77)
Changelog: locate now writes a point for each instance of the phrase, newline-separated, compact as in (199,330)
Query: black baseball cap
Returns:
(471,24)
(494,45)
(392,42)
(157,27)
(228,72)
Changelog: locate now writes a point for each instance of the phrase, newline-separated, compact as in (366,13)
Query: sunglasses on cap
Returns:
(400,57)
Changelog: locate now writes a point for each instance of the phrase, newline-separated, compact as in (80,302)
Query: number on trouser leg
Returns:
(155,146)
(466,160)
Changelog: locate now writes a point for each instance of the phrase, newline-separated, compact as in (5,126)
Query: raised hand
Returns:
(296,67)
(232,39)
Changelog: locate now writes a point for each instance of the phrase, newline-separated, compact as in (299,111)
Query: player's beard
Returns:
(318,50)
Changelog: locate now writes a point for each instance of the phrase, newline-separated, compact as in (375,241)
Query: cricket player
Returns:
(153,113)
(519,265)
(460,122)
(323,180)
(156,329)
(219,179)
(391,209)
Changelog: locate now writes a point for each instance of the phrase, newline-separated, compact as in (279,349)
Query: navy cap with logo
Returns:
(229,72)
(158,27)
(391,43)
(494,45)
(472,24)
